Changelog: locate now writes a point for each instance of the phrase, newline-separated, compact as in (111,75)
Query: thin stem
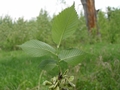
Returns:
(40,80)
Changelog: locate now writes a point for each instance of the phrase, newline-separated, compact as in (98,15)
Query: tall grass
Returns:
(99,70)
(18,71)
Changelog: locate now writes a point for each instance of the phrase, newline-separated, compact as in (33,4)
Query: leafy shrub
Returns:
(63,26)
(109,26)
(13,33)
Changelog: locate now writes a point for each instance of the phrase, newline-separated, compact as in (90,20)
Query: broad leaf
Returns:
(72,56)
(64,24)
(54,72)
(37,48)
(63,65)
(47,64)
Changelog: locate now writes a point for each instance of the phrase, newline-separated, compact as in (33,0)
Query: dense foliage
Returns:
(15,32)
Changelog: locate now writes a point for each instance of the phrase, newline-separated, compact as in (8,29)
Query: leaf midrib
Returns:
(71,57)
(64,29)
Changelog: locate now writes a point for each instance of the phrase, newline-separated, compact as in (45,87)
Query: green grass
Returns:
(18,71)
(99,70)
(102,70)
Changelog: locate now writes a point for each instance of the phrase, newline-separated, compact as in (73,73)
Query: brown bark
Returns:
(90,14)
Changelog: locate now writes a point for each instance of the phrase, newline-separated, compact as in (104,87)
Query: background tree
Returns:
(43,23)
(90,14)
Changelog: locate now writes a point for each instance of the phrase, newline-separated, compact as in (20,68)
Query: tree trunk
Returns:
(90,14)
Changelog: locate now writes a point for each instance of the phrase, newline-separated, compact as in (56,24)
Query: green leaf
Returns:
(37,48)
(64,24)
(72,56)
(47,65)
(63,65)
(54,72)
